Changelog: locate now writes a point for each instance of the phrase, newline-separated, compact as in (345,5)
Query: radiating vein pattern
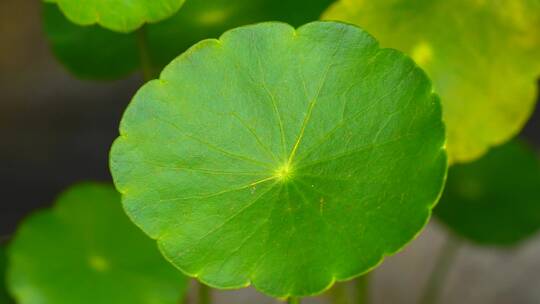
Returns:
(287,158)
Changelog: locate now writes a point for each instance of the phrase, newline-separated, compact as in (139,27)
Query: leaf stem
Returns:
(362,289)
(205,296)
(293,300)
(446,258)
(144,53)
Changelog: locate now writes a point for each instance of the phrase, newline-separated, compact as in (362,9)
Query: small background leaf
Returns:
(90,51)
(93,52)
(117,15)
(481,55)
(284,158)
(495,200)
(86,251)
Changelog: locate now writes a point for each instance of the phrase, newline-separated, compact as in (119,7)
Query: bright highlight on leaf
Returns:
(86,251)
(94,52)
(117,15)
(481,55)
(284,158)
(495,200)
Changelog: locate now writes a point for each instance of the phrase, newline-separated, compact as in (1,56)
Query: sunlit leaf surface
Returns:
(280,157)
(117,15)
(482,55)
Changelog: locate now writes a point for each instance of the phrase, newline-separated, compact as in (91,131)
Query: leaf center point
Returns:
(284,173)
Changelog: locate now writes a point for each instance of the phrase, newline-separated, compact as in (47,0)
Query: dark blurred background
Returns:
(56,130)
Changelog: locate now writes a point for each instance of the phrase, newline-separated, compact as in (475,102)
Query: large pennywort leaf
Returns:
(86,251)
(117,15)
(280,157)
(495,200)
(483,58)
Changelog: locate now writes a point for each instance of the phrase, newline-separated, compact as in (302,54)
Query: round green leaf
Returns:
(284,158)
(481,55)
(85,250)
(117,15)
(495,200)
(94,52)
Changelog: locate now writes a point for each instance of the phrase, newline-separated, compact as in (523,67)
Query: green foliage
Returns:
(90,51)
(495,200)
(86,251)
(280,157)
(481,55)
(117,15)
(94,52)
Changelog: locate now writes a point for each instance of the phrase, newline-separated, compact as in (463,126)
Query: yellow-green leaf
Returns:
(482,55)
(117,15)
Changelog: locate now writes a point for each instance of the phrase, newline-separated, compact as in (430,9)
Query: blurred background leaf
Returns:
(96,53)
(117,15)
(496,199)
(482,57)
(57,129)
(90,51)
(85,250)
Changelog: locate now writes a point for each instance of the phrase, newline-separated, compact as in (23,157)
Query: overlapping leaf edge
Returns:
(494,142)
(217,41)
(459,234)
(512,132)
(68,67)
(97,21)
